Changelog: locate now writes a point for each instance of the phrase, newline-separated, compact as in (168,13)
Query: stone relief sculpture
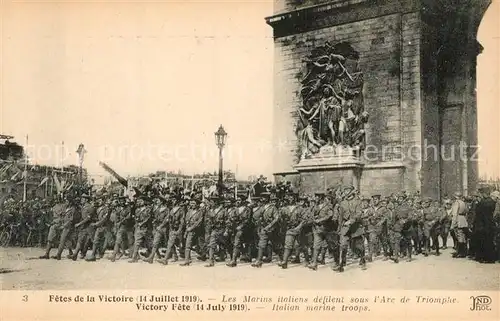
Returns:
(332,114)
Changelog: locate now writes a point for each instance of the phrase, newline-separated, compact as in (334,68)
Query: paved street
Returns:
(431,273)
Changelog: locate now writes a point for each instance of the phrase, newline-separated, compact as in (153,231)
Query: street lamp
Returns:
(220,140)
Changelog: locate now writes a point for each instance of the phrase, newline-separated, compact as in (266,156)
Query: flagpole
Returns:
(47,181)
(25,171)
(236,183)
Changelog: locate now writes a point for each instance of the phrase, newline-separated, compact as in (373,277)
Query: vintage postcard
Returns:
(250,159)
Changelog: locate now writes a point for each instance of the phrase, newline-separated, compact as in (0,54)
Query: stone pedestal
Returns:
(330,167)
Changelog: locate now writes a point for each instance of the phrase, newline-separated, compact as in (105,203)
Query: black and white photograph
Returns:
(286,145)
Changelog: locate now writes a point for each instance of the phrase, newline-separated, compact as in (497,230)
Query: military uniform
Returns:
(241,222)
(143,227)
(124,230)
(267,216)
(351,229)
(293,222)
(430,226)
(176,221)
(460,226)
(323,230)
(85,228)
(55,228)
(103,221)
(217,218)
(403,221)
(195,216)
(160,222)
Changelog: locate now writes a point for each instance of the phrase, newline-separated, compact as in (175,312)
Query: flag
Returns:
(58,184)
(44,180)
(108,169)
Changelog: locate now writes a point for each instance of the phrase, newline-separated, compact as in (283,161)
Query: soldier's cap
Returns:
(255,198)
(484,189)
(366,199)
(320,193)
(376,196)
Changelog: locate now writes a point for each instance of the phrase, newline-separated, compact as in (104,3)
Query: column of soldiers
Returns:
(336,225)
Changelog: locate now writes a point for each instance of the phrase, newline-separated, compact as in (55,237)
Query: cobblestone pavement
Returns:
(18,270)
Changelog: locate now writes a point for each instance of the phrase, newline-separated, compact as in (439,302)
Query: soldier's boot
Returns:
(151,256)
(187,257)
(92,257)
(461,252)
(70,254)
(62,243)
(135,255)
(78,249)
(175,257)
(236,253)
(321,257)
(46,256)
(362,263)
(408,256)
(269,255)
(258,261)
(286,255)
(116,250)
(211,261)
(314,261)
(445,241)
(343,259)
(436,247)
(247,257)
(165,259)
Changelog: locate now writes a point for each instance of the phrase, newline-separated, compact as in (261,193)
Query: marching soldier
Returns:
(160,222)
(293,221)
(176,221)
(266,225)
(124,229)
(143,225)
(103,219)
(241,239)
(217,218)
(70,217)
(84,227)
(351,228)
(56,226)
(322,227)
(194,230)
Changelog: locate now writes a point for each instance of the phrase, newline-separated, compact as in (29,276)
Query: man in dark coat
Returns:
(484,227)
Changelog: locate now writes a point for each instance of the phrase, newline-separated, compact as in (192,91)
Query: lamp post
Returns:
(220,140)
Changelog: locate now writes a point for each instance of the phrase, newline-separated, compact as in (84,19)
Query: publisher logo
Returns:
(480,303)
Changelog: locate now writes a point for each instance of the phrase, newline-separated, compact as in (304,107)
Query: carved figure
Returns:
(332,111)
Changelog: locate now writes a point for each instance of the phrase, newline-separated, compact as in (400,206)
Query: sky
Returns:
(145,86)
